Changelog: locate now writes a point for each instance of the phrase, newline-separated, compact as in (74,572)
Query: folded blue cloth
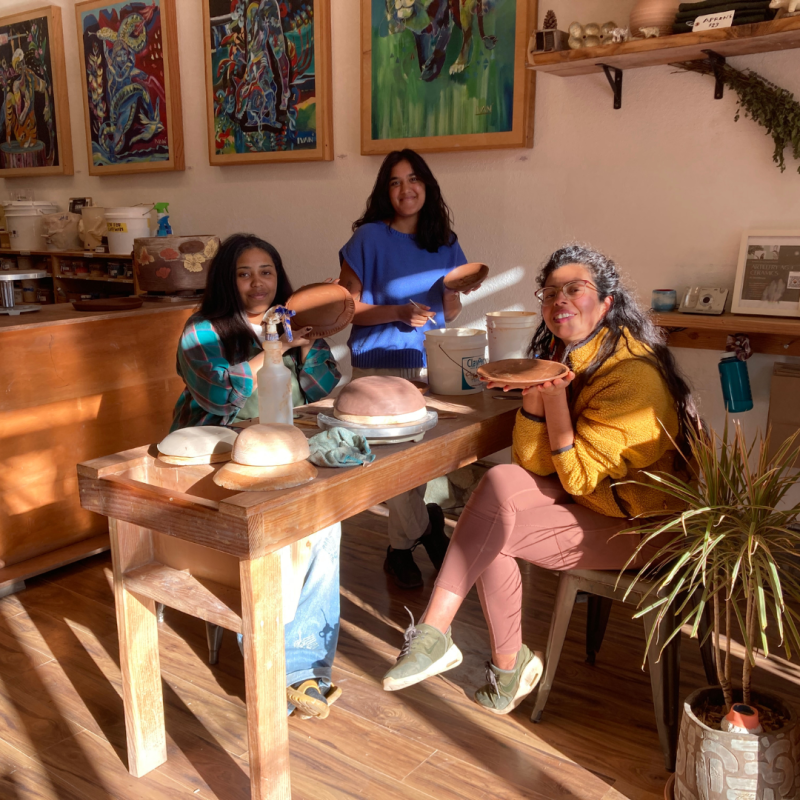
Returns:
(339,447)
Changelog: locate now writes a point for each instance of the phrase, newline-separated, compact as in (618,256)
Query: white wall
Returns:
(666,184)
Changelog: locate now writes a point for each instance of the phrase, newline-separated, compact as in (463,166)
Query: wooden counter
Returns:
(76,386)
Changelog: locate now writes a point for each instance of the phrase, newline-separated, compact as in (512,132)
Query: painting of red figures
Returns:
(268,80)
(128,61)
(34,120)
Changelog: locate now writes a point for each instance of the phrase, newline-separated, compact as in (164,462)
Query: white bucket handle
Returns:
(460,366)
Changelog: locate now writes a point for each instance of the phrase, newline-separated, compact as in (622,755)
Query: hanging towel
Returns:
(339,447)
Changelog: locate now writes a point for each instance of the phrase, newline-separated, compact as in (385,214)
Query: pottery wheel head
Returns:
(521,372)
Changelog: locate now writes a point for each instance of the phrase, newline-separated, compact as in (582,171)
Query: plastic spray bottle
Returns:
(164,228)
(274,378)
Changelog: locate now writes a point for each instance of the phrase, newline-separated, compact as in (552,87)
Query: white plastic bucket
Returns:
(510,333)
(126,224)
(453,356)
(25,223)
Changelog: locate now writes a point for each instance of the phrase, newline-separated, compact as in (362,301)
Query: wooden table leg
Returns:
(131,547)
(265,677)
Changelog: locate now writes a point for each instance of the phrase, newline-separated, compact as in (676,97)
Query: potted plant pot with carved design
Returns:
(734,550)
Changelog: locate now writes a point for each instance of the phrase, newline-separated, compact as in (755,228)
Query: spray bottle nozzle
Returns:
(161,208)
(272,317)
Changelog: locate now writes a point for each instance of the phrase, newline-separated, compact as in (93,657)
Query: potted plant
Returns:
(733,548)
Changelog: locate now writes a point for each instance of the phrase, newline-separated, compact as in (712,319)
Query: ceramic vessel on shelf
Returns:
(167,264)
(653,14)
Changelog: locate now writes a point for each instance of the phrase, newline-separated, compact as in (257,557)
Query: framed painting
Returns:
(768,274)
(268,80)
(445,75)
(128,54)
(35,137)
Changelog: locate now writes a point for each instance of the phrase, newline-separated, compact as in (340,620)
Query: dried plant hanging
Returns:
(762,101)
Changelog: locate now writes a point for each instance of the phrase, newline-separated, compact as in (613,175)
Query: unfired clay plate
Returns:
(519,373)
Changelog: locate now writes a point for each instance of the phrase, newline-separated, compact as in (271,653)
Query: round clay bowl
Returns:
(327,307)
(380,400)
(669,788)
(270,445)
(519,373)
(466,275)
(199,442)
(241,478)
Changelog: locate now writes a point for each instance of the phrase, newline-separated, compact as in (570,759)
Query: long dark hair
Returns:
(222,306)
(434,228)
(623,318)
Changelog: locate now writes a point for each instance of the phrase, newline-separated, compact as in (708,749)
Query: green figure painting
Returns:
(442,67)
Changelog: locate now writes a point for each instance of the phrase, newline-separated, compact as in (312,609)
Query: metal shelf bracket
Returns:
(717,61)
(614,77)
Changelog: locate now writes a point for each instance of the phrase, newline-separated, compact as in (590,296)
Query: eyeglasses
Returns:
(572,291)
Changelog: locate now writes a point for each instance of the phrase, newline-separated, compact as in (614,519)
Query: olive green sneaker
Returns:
(508,688)
(426,652)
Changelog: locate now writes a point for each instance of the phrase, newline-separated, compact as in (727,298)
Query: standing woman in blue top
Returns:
(400,251)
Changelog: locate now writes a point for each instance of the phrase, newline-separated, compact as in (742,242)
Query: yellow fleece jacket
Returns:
(619,419)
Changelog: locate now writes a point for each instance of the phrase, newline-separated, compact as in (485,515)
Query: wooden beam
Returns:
(132,546)
(201,598)
(265,677)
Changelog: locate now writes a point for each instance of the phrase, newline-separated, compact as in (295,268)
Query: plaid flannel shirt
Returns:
(216,390)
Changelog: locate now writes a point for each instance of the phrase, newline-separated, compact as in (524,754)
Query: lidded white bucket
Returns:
(454,354)
(126,224)
(510,333)
(24,219)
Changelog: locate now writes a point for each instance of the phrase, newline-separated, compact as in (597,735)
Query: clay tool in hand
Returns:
(430,319)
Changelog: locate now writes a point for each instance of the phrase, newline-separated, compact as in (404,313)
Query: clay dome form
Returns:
(205,444)
(327,307)
(267,457)
(380,400)
(519,373)
(466,275)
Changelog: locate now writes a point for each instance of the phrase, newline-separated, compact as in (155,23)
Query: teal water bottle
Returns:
(735,385)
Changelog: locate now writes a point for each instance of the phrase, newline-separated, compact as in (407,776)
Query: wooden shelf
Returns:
(740,40)
(67,254)
(774,335)
(64,277)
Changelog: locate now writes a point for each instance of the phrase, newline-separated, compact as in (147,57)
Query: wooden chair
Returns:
(664,671)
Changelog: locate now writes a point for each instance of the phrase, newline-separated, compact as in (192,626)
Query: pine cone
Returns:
(550,21)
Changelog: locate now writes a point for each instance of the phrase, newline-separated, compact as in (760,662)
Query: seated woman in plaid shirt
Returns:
(219,355)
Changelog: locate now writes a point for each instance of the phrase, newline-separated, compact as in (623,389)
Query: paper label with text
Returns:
(710,22)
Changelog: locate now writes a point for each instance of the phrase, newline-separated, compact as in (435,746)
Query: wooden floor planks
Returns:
(62,732)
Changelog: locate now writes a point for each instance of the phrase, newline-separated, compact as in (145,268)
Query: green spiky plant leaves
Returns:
(732,547)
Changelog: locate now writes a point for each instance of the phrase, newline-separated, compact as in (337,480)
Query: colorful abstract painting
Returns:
(263,71)
(444,68)
(28,135)
(123,51)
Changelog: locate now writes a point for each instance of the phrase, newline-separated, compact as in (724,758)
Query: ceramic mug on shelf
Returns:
(664,300)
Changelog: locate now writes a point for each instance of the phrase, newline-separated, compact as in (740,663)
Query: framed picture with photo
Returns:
(445,76)
(768,274)
(128,55)
(35,135)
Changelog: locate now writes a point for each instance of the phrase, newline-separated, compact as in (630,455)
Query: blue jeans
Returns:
(311,637)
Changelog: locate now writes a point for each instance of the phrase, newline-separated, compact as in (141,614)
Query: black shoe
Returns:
(400,566)
(435,541)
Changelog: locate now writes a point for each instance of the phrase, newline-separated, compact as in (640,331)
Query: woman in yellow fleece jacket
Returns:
(578,442)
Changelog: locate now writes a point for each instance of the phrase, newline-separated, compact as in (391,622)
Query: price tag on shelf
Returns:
(711,22)
(88,254)
(24,252)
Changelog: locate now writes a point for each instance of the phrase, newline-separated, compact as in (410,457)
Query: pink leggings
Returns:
(515,514)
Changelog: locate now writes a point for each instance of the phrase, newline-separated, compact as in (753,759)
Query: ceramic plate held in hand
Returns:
(465,276)
(327,307)
(519,373)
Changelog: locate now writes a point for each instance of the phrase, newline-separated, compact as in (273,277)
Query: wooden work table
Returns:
(76,385)
(179,539)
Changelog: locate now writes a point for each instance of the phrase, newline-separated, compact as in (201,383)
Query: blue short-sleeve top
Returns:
(394,269)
